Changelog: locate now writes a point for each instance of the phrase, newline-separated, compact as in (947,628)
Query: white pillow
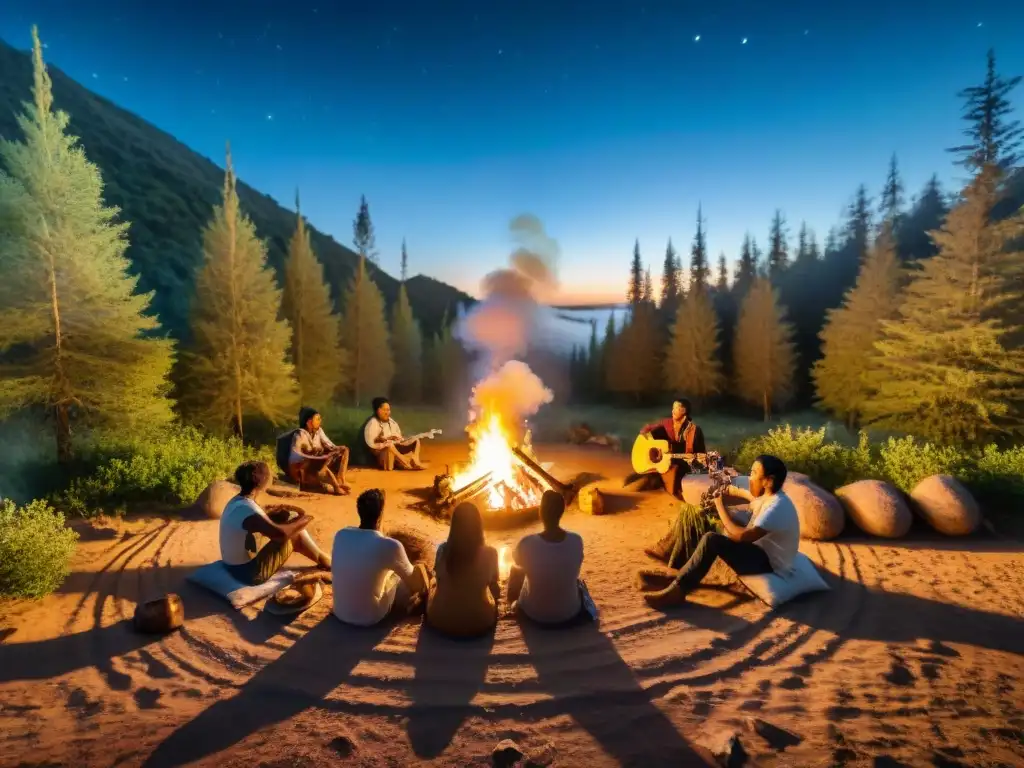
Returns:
(216,578)
(773,589)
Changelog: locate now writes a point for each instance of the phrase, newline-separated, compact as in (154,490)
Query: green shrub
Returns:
(996,478)
(172,467)
(828,463)
(35,548)
(905,462)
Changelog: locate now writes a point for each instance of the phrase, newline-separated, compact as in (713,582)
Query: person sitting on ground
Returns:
(372,574)
(254,545)
(463,599)
(683,436)
(383,437)
(768,543)
(544,583)
(313,455)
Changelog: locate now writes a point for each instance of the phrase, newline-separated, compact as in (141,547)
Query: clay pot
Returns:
(821,515)
(160,616)
(215,497)
(946,505)
(877,508)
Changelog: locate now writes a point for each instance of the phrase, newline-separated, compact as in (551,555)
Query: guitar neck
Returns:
(687,456)
(420,436)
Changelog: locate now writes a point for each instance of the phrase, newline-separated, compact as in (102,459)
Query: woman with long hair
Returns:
(463,600)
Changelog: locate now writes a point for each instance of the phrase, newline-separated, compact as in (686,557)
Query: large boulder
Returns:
(215,497)
(821,515)
(877,508)
(946,505)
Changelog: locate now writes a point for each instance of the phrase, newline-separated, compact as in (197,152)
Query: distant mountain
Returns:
(167,192)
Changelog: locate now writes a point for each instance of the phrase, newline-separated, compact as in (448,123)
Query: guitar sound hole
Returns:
(655,455)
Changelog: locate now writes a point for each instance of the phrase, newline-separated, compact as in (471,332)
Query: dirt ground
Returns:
(915,658)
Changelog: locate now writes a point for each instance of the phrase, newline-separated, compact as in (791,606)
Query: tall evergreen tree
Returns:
(760,266)
(407,344)
(803,243)
(813,254)
(648,291)
(607,353)
(364,336)
(635,290)
(75,337)
(993,138)
(320,364)
(445,367)
(778,248)
(692,361)
(592,390)
(891,205)
(943,369)
(850,332)
(831,241)
(363,237)
(746,268)
(722,281)
(237,365)
(700,269)
(926,216)
(405,263)
(670,288)
(858,225)
(634,366)
(764,356)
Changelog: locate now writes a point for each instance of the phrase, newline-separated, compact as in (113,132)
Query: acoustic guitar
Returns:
(428,435)
(651,455)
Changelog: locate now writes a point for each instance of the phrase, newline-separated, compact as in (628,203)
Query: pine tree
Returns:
(993,139)
(407,344)
(607,359)
(858,225)
(943,369)
(778,248)
(700,270)
(648,292)
(831,241)
(764,355)
(926,215)
(363,237)
(75,337)
(364,336)
(237,364)
(850,332)
(813,254)
(760,267)
(405,262)
(692,362)
(635,290)
(670,280)
(803,245)
(634,367)
(891,206)
(444,367)
(592,390)
(320,364)
(746,268)
(722,283)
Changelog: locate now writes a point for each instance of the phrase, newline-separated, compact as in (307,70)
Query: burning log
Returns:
(567,491)
(466,492)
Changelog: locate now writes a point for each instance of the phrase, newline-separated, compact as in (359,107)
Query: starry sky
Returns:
(608,119)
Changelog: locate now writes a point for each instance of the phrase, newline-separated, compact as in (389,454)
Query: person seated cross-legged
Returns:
(383,437)
(544,584)
(768,543)
(313,456)
(464,598)
(254,545)
(372,574)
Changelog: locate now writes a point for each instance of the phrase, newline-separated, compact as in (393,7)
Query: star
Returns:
(807,31)
(500,51)
(126,78)
(279,47)
(696,39)
(744,41)
(46,45)
(979,23)
(95,76)
(270,117)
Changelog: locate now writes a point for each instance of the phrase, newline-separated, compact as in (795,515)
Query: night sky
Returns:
(608,120)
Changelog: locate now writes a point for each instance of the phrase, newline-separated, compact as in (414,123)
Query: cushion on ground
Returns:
(216,578)
(215,497)
(821,515)
(774,590)
(946,505)
(877,508)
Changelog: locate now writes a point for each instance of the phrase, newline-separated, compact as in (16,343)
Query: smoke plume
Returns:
(512,393)
(501,325)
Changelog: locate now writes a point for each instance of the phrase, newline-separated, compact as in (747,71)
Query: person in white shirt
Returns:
(313,455)
(383,437)
(544,584)
(254,545)
(768,543)
(372,574)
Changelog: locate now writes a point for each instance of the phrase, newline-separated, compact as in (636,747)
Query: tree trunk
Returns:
(767,407)
(63,423)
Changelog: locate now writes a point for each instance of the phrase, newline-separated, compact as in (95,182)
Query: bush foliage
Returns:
(35,549)
(994,476)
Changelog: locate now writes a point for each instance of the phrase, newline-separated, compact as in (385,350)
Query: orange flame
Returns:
(491,451)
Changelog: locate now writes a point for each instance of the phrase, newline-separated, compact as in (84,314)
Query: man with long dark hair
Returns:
(683,436)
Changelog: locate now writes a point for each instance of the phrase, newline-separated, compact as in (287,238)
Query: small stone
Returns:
(343,745)
(506,754)
(726,748)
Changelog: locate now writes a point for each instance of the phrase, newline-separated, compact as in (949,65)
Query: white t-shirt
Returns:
(550,591)
(777,516)
(361,563)
(232,535)
(376,428)
(310,444)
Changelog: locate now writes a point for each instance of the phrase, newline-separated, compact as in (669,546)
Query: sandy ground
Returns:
(915,659)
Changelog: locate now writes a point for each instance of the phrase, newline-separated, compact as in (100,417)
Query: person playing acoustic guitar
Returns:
(384,438)
(684,436)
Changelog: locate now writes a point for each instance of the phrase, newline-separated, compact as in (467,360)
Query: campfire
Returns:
(502,477)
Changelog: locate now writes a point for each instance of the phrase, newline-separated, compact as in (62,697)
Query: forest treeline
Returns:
(905,319)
